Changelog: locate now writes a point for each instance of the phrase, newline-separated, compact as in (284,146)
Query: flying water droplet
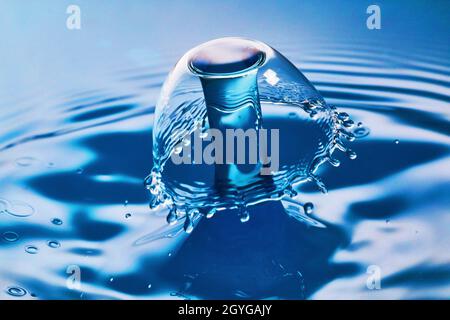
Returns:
(396,141)
(351,154)
(128,215)
(308,207)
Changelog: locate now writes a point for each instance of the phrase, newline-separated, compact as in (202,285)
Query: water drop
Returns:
(53,244)
(396,141)
(57,221)
(361,132)
(245,216)
(31,249)
(128,215)
(343,116)
(19,209)
(10,236)
(351,154)
(16,291)
(79,171)
(25,161)
(170,254)
(211,213)
(149,286)
(308,207)
(111,279)
(125,203)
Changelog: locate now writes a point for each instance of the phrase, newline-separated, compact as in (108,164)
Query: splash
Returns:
(235,83)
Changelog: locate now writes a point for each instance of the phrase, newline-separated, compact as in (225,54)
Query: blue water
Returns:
(76,114)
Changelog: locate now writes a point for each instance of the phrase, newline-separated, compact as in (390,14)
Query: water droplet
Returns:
(31,249)
(128,215)
(308,207)
(57,221)
(186,142)
(25,161)
(79,171)
(172,216)
(211,213)
(16,291)
(348,123)
(170,254)
(149,286)
(125,203)
(111,279)
(10,236)
(360,124)
(245,216)
(178,149)
(351,154)
(361,132)
(343,116)
(19,209)
(53,244)
(396,141)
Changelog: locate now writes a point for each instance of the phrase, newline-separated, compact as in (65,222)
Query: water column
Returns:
(228,74)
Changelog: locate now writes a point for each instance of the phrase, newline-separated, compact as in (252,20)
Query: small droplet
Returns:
(396,141)
(16,291)
(360,124)
(186,142)
(211,213)
(10,236)
(25,161)
(128,215)
(149,286)
(79,171)
(53,244)
(178,149)
(170,254)
(111,279)
(351,154)
(31,249)
(245,216)
(361,132)
(57,221)
(19,209)
(308,207)
(125,203)
(343,116)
